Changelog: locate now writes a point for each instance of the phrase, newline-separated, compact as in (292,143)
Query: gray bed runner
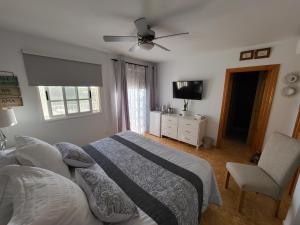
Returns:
(169,194)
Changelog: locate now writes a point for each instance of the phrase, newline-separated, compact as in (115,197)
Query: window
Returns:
(69,101)
(137,101)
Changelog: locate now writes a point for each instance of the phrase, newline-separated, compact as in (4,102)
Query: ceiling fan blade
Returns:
(172,35)
(141,26)
(134,48)
(108,38)
(162,47)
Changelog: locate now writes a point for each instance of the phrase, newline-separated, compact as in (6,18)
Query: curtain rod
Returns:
(130,63)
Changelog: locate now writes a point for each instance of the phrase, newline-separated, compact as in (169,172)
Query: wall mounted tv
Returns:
(188,89)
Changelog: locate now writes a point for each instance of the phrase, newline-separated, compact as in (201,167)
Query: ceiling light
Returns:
(147,46)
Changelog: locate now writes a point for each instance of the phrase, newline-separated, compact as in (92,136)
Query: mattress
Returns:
(125,142)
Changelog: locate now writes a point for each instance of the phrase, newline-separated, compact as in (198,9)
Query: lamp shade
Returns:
(298,48)
(7,118)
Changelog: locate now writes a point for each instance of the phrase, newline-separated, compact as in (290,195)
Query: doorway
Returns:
(244,86)
(247,100)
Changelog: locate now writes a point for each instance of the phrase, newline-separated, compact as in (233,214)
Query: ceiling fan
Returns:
(144,38)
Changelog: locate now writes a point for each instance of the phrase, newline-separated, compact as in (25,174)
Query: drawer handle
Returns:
(187,131)
(188,124)
(169,120)
(169,127)
(187,139)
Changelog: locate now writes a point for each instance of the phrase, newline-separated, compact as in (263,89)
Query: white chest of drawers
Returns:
(187,129)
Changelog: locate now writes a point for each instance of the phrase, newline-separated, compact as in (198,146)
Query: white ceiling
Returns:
(213,24)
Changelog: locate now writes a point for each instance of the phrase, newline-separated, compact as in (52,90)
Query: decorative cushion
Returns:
(73,155)
(106,199)
(41,154)
(253,179)
(43,197)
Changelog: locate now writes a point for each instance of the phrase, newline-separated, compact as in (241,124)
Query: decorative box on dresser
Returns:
(188,129)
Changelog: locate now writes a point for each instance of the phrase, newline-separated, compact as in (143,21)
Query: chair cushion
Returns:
(280,158)
(253,179)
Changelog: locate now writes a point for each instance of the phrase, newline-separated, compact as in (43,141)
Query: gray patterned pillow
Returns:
(106,199)
(73,155)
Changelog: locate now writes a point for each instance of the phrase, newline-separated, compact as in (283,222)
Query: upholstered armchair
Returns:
(278,162)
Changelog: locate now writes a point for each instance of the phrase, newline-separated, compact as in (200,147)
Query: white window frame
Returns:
(68,115)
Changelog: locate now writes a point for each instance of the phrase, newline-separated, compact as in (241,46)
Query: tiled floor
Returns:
(257,209)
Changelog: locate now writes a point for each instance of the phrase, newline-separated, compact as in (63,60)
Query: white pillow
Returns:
(7,157)
(42,155)
(42,197)
(22,141)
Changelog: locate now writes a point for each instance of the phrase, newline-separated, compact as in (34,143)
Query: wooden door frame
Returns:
(297,125)
(295,135)
(267,99)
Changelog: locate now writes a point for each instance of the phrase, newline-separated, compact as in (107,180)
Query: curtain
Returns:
(151,72)
(137,97)
(121,96)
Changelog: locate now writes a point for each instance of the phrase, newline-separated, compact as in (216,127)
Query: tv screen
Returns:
(188,89)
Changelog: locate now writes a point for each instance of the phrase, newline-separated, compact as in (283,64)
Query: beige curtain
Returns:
(121,96)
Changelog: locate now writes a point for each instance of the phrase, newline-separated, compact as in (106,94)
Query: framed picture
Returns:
(262,53)
(246,55)
(10,93)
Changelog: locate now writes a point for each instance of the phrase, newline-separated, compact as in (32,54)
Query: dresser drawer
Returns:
(188,124)
(188,131)
(169,132)
(193,140)
(169,120)
(169,126)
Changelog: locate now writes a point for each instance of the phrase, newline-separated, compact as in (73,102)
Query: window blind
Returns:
(50,71)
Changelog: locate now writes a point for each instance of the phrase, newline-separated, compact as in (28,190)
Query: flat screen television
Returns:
(188,89)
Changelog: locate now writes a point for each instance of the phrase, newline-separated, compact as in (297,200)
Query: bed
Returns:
(169,187)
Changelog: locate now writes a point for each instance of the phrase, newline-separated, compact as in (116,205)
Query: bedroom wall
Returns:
(79,130)
(211,67)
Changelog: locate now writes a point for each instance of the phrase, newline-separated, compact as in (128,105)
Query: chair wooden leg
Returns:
(227,180)
(294,182)
(278,202)
(241,200)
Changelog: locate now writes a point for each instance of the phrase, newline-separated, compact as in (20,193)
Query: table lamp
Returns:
(7,119)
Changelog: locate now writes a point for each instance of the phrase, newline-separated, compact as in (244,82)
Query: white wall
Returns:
(212,66)
(80,130)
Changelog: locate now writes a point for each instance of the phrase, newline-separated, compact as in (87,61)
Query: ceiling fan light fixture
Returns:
(146,46)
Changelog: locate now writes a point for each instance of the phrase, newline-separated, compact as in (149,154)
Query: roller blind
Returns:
(49,71)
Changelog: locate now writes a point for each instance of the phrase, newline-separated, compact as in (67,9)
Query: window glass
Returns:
(58,108)
(70,92)
(55,93)
(84,105)
(83,92)
(69,101)
(72,106)
(95,98)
